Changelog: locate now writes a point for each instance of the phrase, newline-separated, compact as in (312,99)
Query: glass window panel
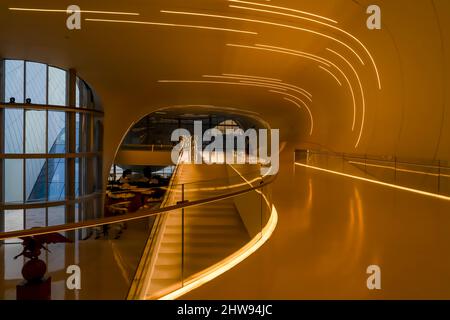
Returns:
(56,216)
(36,82)
(13,130)
(56,132)
(57,81)
(77,177)
(14,80)
(36,180)
(56,178)
(13,183)
(77,93)
(12,267)
(98,135)
(85,133)
(84,97)
(35,131)
(77,132)
(35,218)
(13,220)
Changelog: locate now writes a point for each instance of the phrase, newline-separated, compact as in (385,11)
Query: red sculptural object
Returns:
(35,269)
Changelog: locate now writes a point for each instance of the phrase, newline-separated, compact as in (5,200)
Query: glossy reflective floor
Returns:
(330,229)
(107,265)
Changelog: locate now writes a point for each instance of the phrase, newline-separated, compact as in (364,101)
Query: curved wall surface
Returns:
(320,47)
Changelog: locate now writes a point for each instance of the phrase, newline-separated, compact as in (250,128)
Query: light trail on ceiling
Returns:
(307,56)
(277,50)
(219,82)
(172,25)
(281,84)
(252,77)
(362,94)
(310,114)
(285,8)
(266,23)
(255,81)
(332,74)
(80,11)
(281,87)
(273,89)
(329,63)
(321,23)
(274,12)
(287,96)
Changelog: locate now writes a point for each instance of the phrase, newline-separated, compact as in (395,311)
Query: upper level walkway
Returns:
(330,229)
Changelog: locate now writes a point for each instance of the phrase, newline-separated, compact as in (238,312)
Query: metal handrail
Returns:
(33,106)
(152,147)
(373,158)
(128,217)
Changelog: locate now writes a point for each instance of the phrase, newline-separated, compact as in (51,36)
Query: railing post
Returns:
(439,178)
(365,165)
(182,236)
(395,171)
(262,212)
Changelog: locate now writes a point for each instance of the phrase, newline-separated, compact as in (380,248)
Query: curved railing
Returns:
(111,251)
(430,177)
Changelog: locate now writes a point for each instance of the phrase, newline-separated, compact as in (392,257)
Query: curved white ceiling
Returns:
(311,68)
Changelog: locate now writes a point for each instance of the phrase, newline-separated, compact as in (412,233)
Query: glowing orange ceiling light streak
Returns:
(267,23)
(353,96)
(325,61)
(299,106)
(81,11)
(251,77)
(324,24)
(280,82)
(362,94)
(284,8)
(172,25)
(274,12)
(312,122)
(429,194)
(281,87)
(307,56)
(207,106)
(218,82)
(275,84)
(332,74)
(279,51)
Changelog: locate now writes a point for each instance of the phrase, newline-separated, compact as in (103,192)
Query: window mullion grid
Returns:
(24,188)
(2,98)
(46,85)
(2,132)
(86,126)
